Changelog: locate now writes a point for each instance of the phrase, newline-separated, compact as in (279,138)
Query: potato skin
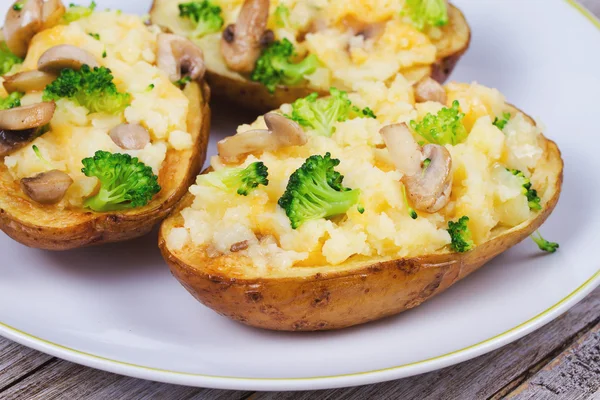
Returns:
(333,300)
(52,228)
(255,96)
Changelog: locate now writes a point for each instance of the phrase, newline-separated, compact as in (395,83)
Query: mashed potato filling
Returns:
(128,48)
(356,41)
(483,188)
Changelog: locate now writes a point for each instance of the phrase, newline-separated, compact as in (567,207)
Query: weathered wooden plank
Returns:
(592,5)
(63,380)
(17,361)
(573,375)
(479,378)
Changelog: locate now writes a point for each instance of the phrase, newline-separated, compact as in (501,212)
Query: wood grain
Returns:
(17,361)
(63,380)
(574,374)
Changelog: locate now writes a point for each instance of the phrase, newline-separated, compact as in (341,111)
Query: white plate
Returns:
(117,307)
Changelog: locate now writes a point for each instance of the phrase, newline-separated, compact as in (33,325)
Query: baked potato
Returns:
(430,192)
(107,144)
(342,44)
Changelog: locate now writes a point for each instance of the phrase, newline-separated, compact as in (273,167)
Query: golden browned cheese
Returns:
(307,299)
(452,44)
(53,228)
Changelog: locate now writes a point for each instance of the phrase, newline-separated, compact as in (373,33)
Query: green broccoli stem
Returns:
(107,200)
(295,73)
(333,202)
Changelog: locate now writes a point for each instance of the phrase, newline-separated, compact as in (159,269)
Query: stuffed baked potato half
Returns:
(285,50)
(275,236)
(97,144)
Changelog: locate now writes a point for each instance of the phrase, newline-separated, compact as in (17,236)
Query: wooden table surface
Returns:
(559,361)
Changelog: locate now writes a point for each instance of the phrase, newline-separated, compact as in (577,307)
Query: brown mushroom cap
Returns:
(428,89)
(130,136)
(430,190)
(64,56)
(429,187)
(282,132)
(178,56)
(286,131)
(27,117)
(47,187)
(52,12)
(28,81)
(241,43)
(11,141)
(21,25)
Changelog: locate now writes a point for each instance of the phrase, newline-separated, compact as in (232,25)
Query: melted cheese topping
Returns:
(482,188)
(75,134)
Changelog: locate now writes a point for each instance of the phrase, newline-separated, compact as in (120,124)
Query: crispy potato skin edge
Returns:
(82,228)
(336,300)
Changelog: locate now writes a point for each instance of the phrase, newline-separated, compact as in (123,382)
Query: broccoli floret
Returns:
(11,101)
(315,191)
(7,59)
(91,88)
(501,123)
(275,66)
(282,16)
(242,180)
(367,112)
(426,13)
(543,244)
(444,128)
(532,196)
(75,12)
(183,81)
(125,182)
(204,14)
(460,235)
(411,211)
(321,114)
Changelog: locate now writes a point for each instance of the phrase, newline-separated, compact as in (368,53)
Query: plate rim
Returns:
(317,382)
(306,383)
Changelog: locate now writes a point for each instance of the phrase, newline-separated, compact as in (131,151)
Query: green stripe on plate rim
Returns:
(588,15)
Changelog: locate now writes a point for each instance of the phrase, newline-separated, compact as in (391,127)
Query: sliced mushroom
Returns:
(241,43)
(287,132)
(27,117)
(362,28)
(239,246)
(430,190)
(428,89)
(47,187)
(178,56)
(11,141)
(28,81)
(428,186)
(405,152)
(130,136)
(52,12)
(21,24)
(282,132)
(64,56)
